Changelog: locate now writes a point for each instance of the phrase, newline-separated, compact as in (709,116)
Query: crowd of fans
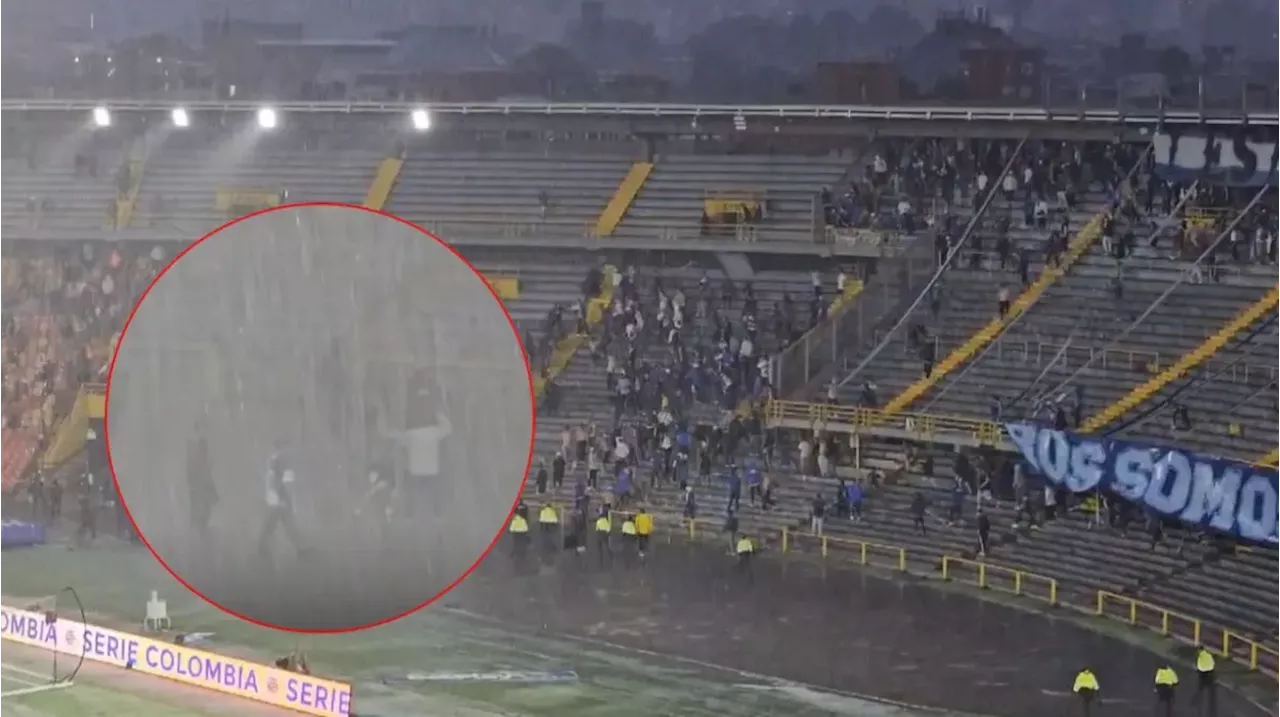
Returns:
(686,363)
(682,361)
(63,307)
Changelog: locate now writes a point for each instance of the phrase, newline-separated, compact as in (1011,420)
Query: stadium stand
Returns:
(467,193)
(197,186)
(684,191)
(1083,301)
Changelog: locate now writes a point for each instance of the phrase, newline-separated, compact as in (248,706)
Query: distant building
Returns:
(318,69)
(1003,74)
(858,83)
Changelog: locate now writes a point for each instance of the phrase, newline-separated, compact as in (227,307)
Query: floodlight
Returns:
(101,117)
(267,118)
(180,117)
(421,120)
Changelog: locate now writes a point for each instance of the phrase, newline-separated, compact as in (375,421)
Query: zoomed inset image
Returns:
(319,417)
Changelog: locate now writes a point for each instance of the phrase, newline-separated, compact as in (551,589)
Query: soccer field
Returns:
(437,662)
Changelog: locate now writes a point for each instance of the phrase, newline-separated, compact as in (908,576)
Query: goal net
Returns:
(31,671)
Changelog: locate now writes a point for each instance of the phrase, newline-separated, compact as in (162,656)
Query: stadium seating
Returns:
(458,194)
(499,194)
(1078,318)
(54,195)
(967,304)
(671,203)
(180,184)
(587,397)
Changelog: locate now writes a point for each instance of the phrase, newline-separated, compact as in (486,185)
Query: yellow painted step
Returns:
(384,181)
(1270,459)
(975,343)
(127,200)
(569,345)
(69,436)
(1188,361)
(623,196)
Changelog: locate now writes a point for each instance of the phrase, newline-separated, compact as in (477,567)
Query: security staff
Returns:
(519,530)
(628,537)
(548,526)
(644,528)
(1206,680)
(745,549)
(1086,688)
(1166,685)
(604,526)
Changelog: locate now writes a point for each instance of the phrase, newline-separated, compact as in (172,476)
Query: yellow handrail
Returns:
(865,549)
(1185,628)
(1151,362)
(989,576)
(852,419)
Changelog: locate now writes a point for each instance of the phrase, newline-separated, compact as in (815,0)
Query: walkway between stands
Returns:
(1083,241)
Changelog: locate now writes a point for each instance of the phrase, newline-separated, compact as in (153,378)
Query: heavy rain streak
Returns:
(319,418)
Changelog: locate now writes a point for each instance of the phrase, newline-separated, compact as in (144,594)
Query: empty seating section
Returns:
(671,203)
(55,195)
(1081,315)
(463,193)
(180,184)
(1222,335)
(964,302)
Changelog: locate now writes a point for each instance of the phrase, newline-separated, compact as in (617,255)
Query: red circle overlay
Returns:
(428,236)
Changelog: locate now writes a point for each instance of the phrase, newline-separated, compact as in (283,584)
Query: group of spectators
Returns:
(686,364)
(64,306)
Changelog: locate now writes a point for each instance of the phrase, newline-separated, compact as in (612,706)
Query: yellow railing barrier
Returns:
(622,199)
(988,333)
(1187,362)
(852,288)
(1252,654)
(1270,459)
(852,419)
(866,550)
(1038,352)
(989,576)
(1168,623)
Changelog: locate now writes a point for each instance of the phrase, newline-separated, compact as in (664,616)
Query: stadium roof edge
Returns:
(691,111)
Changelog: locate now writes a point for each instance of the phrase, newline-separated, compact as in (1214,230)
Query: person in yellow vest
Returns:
(548,527)
(1206,680)
(644,528)
(604,526)
(1086,689)
(519,529)
(1166,685)
(745,549)
(628,537)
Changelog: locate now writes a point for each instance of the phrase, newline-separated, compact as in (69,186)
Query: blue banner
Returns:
(1211,492)
(1238,157)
